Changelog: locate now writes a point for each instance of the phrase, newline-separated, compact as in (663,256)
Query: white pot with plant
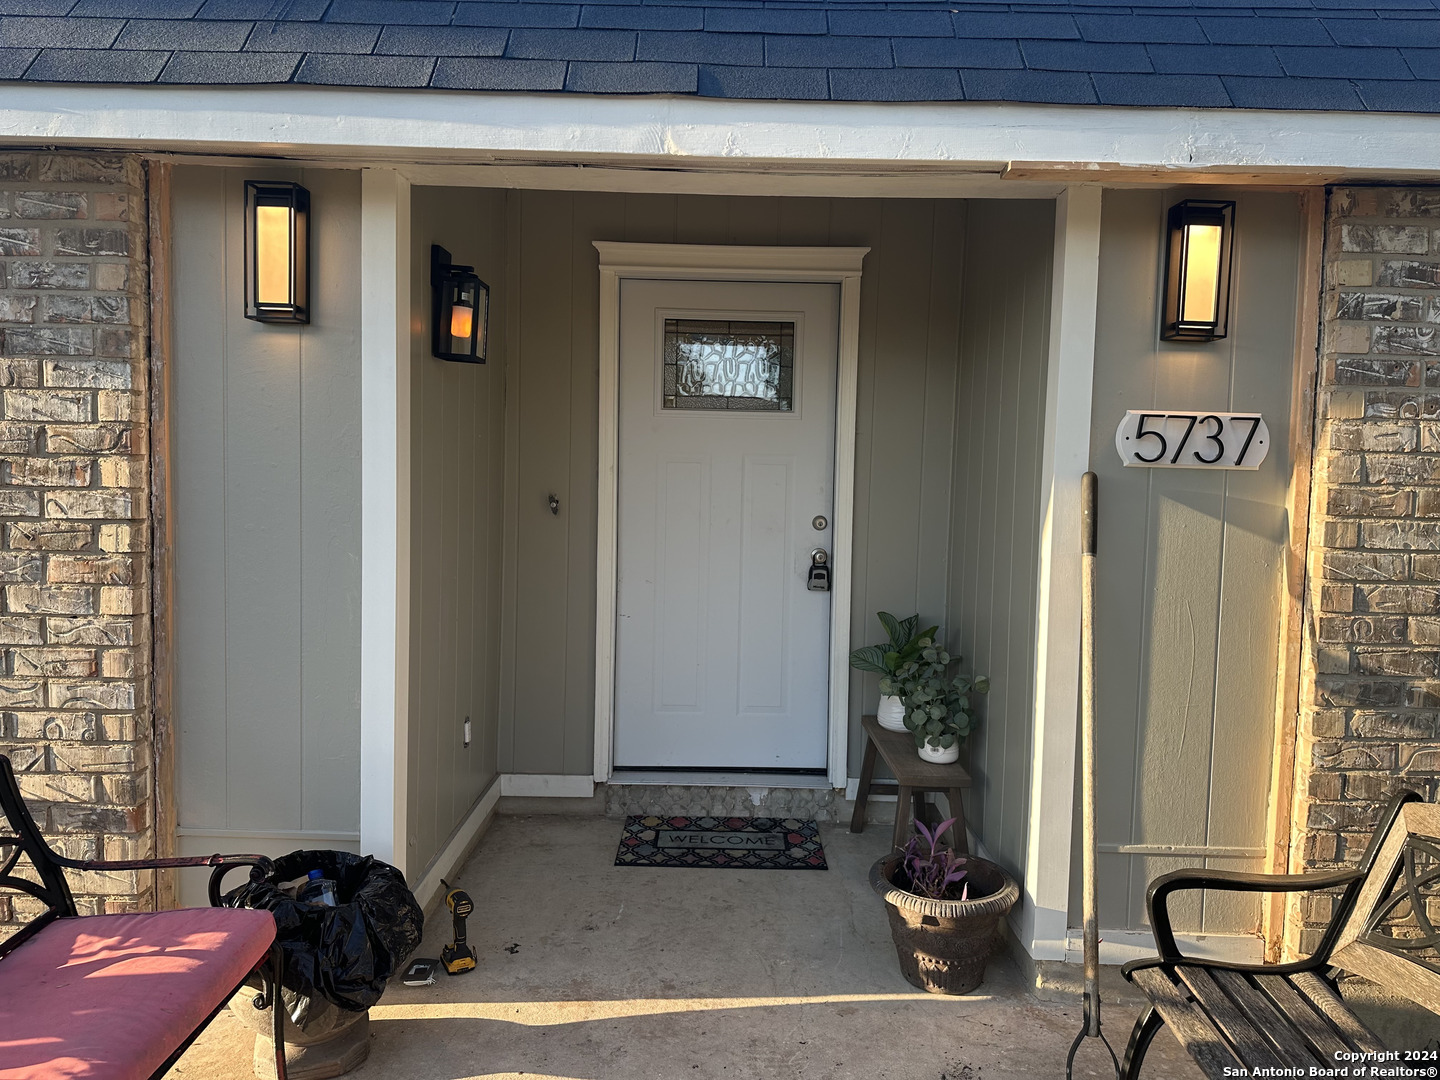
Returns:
(937,707)
(886,660)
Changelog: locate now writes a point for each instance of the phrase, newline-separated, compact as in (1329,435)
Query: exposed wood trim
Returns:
(1074,290)
(705,261)
(1118,946)
(847,385)
(458,848)
(1279,827)
(1199,851)
(510,372)
(607,549)
(290,836)
(547,785)
(659,176)
(385,514)
(162,534)
(685,131)
(1116,174)
(717,262)
(752,178)
(838,179)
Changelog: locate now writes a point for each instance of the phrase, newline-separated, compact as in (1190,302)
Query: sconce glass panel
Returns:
(1197,271)
(277,252)
(461,312)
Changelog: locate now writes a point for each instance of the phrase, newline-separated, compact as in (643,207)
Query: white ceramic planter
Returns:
(891,713)
(939,755)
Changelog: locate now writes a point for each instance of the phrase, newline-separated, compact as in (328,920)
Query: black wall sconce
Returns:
(1197,271)
(277,252)
(462,310)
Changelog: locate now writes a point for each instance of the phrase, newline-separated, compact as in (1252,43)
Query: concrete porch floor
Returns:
(589,971)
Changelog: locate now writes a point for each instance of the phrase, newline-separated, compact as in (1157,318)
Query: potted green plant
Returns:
(944,910)
(886,660)
(937,707)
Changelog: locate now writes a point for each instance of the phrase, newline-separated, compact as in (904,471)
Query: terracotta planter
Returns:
(943,944)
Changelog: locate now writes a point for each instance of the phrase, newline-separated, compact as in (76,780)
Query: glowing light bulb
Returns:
(1202,273)
(272,254)
(462,320)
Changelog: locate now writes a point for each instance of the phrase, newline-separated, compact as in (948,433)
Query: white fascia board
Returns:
(443,126)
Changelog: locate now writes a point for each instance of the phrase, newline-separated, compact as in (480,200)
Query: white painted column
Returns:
(1044,915)
(384,512)
(842,570)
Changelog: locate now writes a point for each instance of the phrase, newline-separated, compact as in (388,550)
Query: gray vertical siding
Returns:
(265,461)
(502,590)
(909,343)
(994,502)
(1189,562)
(457,485)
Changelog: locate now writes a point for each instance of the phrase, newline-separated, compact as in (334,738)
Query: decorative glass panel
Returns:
(729,365)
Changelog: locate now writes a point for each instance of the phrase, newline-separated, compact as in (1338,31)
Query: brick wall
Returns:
(1370,695)
(74,638)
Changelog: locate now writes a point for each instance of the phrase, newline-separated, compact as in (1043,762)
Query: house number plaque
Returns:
(1179,439)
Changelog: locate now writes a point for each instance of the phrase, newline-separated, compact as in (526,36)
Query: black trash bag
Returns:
(343,953)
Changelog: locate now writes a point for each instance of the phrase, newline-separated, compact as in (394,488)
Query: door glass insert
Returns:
(729,365)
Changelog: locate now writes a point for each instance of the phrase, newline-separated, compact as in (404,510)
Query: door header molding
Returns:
(726,262)
(733,262)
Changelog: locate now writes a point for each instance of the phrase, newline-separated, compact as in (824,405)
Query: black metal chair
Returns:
(49,970)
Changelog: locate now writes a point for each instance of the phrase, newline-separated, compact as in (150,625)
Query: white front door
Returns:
(726,466)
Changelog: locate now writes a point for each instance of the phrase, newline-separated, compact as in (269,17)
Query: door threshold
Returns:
(720,779)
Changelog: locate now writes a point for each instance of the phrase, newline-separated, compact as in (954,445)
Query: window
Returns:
(729,365)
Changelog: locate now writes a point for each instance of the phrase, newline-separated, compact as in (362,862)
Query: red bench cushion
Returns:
(110,997)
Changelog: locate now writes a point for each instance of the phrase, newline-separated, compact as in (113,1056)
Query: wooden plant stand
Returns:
(913,777)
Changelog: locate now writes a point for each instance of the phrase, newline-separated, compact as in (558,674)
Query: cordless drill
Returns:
(458,957)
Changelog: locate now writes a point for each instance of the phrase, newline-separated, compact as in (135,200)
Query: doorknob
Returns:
(817,578)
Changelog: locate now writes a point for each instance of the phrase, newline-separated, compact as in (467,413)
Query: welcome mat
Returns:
(716,843)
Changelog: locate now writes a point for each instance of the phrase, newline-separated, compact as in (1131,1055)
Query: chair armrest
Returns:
(220,864)
(1158,895)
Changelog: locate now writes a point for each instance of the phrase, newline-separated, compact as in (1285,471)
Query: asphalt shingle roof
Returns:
(1353,55)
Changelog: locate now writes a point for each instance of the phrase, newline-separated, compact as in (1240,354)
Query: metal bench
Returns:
(118,997)
(1249,1016)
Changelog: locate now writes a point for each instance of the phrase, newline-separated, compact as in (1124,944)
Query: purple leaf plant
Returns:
(935,873)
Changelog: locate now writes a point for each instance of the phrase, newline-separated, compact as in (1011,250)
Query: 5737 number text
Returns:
(1181,439)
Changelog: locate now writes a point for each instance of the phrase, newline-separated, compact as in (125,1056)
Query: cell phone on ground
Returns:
(421,971)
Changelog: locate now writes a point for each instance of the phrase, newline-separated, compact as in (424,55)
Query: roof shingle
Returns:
(1254,54)
(243,69)
(456,73)
(319,39)
(441,41)
(196,35)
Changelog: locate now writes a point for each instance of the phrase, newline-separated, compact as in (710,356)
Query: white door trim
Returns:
(1043,917)
(384,513)
(706,262)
